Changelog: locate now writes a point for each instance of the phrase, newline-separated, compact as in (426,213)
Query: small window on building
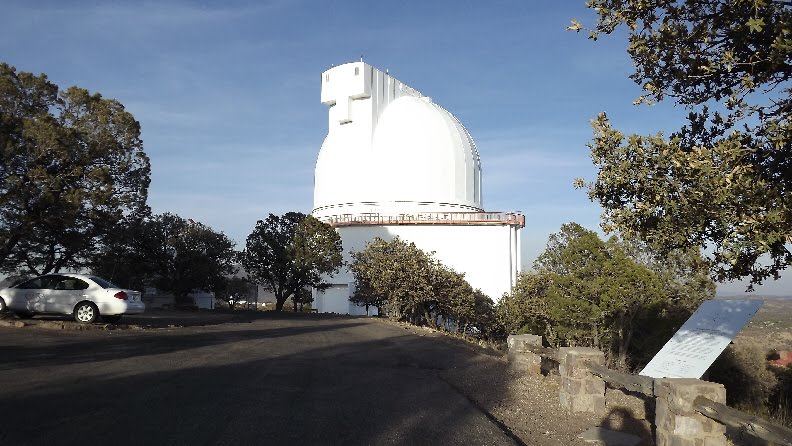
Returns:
(357,71)
(327,78)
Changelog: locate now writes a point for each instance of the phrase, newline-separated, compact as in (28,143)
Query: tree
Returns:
(613,294)
(365,295)
(174,254)
(185,255)
(473,312)
(122,258)
(400,274)
(723,180)
(409,284)
(484,317)
(453,298)
(597,290)
(686,283)
(683,273)
(234,290)
(71,167)
(525,309)
(587,292)
(288,253)
(301,297)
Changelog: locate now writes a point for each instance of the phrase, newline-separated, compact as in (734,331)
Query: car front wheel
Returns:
(2,305)
(86,313)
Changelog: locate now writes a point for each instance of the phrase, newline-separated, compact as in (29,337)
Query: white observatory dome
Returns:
(423,158)
(390,150)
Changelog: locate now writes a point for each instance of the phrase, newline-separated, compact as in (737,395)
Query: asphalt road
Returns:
(278,379)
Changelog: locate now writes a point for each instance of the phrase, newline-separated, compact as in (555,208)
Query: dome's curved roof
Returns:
(422,153)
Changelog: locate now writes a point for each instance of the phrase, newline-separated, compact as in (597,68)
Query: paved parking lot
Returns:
(235,378)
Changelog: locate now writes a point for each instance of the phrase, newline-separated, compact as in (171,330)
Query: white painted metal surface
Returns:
(694,347)
(390,149)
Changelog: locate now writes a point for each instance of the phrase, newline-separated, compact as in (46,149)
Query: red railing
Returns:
(427,218)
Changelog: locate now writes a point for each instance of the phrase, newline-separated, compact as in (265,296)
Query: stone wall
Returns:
(677,423)
(670,408)
(521,353)
(580,390)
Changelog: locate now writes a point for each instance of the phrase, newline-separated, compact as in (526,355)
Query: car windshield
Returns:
(103,283)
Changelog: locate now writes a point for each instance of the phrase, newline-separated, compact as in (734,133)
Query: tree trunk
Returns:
(428,317)
(625,336)
(279,301)
(621,355)
(595,333)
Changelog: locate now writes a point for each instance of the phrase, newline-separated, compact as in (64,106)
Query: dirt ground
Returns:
(526,404)
(770,328)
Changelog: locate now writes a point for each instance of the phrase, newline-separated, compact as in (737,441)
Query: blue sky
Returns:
(227,93)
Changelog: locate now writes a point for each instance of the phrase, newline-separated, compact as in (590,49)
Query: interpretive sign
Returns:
(701,339)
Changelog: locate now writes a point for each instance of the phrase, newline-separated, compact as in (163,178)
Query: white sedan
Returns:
(85,297)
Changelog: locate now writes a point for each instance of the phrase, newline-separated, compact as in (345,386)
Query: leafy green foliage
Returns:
(749,381)
(71,167)
(686,282)
(302,297)
(174,254)
(365,295)
(722,181)
(234,290)
(289,253)
(409,284)
(586,291)
(525,310)
(395,276)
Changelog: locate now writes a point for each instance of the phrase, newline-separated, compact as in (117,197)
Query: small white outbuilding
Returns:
(394,163)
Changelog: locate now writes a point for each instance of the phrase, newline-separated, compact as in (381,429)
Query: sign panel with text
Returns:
(695,346)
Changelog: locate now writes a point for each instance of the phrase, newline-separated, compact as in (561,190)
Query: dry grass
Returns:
(771,327)
(751,385)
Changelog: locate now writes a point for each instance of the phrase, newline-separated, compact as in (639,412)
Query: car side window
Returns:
(69,284)
(32,284)
(103,283)
(54,282)
(79,284)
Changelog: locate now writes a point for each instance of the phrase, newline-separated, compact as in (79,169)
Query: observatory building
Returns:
(394,163)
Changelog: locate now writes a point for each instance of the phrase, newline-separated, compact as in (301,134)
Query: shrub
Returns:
(749,382)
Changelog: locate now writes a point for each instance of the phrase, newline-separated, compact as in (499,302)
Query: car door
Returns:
(32,292)
(52,293)
(64,293)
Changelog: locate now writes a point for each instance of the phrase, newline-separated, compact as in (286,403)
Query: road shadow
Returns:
(380,391)
(65,347)
(285,380)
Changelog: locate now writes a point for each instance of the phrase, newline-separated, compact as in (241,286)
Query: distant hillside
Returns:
(753,296)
